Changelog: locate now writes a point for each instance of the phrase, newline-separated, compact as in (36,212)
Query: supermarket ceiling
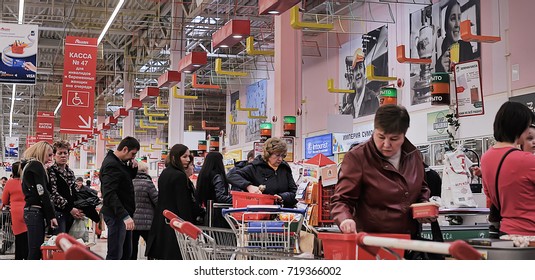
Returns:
(137,48)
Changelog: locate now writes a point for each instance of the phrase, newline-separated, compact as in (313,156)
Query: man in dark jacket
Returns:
(118,169)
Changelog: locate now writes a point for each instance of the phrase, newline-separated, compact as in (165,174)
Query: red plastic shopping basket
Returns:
(244,199)
(52,253)
(341,246)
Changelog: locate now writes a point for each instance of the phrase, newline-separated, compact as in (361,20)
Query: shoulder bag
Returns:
(495,216)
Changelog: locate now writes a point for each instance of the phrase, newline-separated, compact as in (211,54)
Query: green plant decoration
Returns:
(453,126)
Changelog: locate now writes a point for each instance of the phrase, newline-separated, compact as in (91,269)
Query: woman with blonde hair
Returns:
(268,174)
(38,210)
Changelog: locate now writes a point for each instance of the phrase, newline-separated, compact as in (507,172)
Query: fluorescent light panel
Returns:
(110,21)
(13,94)
(21,11)
(57,107)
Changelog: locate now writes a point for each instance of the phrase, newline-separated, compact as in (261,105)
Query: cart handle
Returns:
(65,241)
(264,208)
(458,249)
(170,215)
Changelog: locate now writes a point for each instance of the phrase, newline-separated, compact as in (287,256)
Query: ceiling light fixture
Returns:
(110,21)
(275,7)
(20,21)
(21,11)
(12,108)
(231,33)
(57,107)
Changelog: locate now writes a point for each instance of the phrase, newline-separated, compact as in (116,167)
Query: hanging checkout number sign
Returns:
(468,91)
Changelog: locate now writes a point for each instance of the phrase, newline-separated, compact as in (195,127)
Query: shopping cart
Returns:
(280,233)
(374,245)
(195,244)
(7,238)
(73,250)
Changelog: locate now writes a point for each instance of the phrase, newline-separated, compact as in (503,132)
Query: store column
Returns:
(287,76)
(83,158)
(100,150)
(176,106)
(130,120)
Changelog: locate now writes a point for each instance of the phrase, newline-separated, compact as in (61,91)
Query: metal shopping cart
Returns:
(196,244)
(280,232)
(7,238)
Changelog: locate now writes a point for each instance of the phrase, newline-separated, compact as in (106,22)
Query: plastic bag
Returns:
(456,190)
(79,230)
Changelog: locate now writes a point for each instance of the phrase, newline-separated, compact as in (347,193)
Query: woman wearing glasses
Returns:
(268,174)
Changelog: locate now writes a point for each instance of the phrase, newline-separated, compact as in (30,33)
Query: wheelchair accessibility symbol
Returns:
(77,98)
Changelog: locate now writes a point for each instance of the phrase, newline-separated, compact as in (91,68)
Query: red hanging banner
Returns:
(45,126)
(79,73)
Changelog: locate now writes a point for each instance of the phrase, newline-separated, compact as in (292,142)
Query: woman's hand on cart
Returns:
(348,226)
(278,197)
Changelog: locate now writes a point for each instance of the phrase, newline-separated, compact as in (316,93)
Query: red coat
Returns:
(14,197)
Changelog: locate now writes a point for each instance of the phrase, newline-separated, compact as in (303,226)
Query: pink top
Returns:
(516,187)
(14,197)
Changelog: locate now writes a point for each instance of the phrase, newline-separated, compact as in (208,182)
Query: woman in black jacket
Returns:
(269,170)
(176,194)
(212,185)
(146,201)
(38,209)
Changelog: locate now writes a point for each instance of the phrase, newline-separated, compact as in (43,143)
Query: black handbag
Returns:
(495,216)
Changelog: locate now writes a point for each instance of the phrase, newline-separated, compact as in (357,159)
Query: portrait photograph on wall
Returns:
(372,50)
(256,98)
(234,131)
(435,34)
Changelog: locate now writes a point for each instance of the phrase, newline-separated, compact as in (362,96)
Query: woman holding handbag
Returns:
(509,174)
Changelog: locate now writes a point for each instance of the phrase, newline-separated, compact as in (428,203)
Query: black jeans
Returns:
(21,246)
(35,221)
(135,241)
(119,239)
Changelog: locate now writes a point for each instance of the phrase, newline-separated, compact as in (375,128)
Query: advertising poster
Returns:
(437,126)
(78,101)
(258,148)
(45,126)
(231,157)
(371,50)
(30,140)
(18,43)
(435,34)
(468,89)
(342,142)
(11,147)
(526,99)
(322,144)
(290,146)
(256,98)
(234,131)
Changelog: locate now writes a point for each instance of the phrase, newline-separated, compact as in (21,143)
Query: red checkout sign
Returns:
(78,101)
(45,126)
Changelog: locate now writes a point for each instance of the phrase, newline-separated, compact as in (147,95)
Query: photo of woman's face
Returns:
(454,23)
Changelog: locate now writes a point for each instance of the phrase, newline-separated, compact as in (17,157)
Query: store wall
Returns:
(522,41)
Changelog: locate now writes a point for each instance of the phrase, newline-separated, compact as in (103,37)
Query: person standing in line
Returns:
(212,185)
(62,188)
(380,179)
(239,165)
(176,194)
(3,182)
(118,169)
(13,197)
(146,201)
(38,210)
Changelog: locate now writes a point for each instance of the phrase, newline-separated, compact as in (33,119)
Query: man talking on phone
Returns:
(118,169)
